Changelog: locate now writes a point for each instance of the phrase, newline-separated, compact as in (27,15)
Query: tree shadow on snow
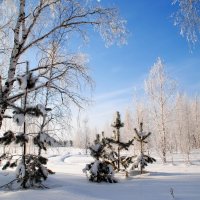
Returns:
(170,174)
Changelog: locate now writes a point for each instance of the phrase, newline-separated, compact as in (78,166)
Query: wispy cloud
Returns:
(103,112)
(107,104)
(186,73)
(116,93)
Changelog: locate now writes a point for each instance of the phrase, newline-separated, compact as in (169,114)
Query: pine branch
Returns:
(7,117)
(8,137)
(121,144)
(146,136)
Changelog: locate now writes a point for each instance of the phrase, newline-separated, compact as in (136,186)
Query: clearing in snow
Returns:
(178,181)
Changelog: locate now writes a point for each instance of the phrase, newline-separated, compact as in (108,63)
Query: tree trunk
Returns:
(141,153)
(118,150)
(24,145)
(6,90)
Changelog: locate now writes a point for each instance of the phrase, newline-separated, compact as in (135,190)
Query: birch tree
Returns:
(29,29)
(128,125)
(179,122)
(160,89)
(185,126)
(187,18)
(196,120)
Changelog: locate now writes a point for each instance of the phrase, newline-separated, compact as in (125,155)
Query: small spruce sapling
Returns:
(142,159)
(114,146)
(99,170)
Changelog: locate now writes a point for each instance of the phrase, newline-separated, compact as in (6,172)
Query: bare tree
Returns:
(30,33)
(83,136)
(86,135)
(128,125)
(186,128)
(196,120)
(160,89)
(187,18)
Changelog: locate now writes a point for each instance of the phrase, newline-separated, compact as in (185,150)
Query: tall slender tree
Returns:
(160,89)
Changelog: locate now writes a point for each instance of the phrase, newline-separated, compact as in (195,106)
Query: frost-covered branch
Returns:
(32,32)
(187,18)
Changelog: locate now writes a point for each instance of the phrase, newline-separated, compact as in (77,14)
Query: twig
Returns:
(44,186)
(172,193)
(7,184)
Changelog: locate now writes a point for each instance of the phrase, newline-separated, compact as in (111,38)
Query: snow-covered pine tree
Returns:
(99,170)
(31,168)
(142,159)
(114,146)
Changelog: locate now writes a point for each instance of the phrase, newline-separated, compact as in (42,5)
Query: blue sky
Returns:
(119,72)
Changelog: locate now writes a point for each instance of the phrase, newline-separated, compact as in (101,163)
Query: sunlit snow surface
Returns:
(70,183)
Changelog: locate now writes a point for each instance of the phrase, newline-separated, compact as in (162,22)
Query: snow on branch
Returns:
(141,135)
(122,145)
(27,81)
(21,138)
(8,137)
(18,118)
(19,113)
(42,140)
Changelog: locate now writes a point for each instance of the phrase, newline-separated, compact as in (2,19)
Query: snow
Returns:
(27,81)
(70,182)
(96,147)
(20,170)
(142,134)
(136,162)
(19,119)
(42,109)
(94,168)
(22,81)
(44,170)
(47,140)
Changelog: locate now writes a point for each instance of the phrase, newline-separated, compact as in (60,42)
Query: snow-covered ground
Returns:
(70,183)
